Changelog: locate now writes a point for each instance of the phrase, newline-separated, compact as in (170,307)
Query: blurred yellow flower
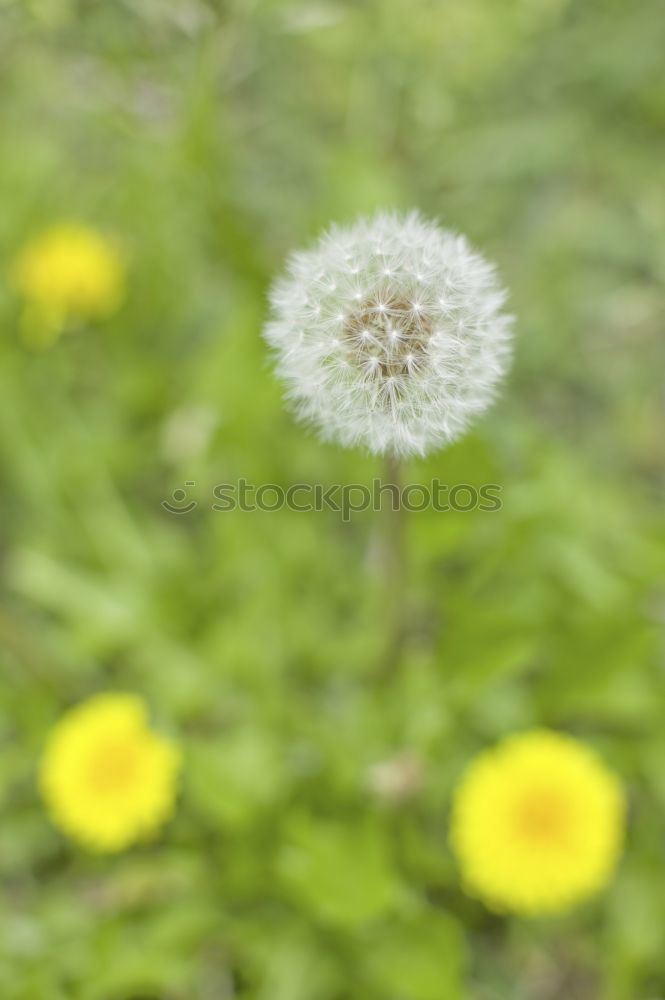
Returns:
(538,823)
(66,274)
(106,778)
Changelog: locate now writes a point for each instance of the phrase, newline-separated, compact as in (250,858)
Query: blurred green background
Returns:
(211,138)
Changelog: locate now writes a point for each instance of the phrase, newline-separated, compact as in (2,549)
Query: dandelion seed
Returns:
(439,367)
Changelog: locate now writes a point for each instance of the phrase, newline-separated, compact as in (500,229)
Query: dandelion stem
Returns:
(393,565)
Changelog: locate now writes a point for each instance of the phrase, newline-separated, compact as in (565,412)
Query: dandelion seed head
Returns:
(404,340)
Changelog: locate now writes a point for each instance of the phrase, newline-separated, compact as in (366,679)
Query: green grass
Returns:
(210,139)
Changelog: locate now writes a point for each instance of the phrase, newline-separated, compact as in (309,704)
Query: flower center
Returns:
(387,337)
(542,815)
(113,766)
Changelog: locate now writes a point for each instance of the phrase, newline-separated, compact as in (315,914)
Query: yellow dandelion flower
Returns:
(68,273)
(106,778)
(538,823)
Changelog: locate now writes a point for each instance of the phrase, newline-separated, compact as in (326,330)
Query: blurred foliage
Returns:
(208,138)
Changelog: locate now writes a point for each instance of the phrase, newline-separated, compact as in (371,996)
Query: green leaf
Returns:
(422,960)
(342,874)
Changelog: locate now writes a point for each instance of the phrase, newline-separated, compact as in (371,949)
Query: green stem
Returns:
(393,566)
